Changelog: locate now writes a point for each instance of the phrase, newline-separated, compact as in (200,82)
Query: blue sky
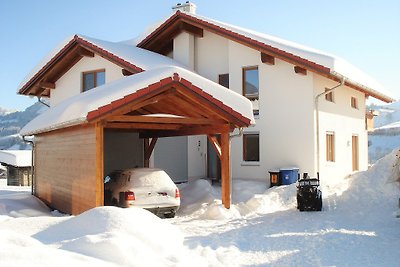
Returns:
(365,33)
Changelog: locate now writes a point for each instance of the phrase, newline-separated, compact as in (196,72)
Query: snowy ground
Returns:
(358,226)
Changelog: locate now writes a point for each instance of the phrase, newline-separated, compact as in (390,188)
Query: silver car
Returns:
(148,188)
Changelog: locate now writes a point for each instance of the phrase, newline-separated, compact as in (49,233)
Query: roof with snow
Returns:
(17,158)
(314,60)
(94,104)
(72,49)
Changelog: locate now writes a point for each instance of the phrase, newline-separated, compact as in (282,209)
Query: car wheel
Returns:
(169,215)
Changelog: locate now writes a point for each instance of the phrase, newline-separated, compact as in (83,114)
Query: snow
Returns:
(74,110)
(139,57)
(386,135)
(357,226)
(17,158)
(338,66)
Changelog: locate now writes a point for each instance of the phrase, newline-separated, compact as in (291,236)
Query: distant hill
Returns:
(386,135)
(11,123)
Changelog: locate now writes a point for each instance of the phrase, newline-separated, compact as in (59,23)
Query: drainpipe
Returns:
(32,170)
(238,134)
(342,80)
(41,101)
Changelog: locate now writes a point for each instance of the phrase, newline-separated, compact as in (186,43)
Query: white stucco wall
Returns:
(183,51)
(285,123)
(71,82)
(339,117)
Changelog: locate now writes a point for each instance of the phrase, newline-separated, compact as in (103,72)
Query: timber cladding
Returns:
(65,169)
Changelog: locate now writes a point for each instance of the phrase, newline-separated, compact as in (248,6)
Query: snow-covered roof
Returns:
(338,67)
(124,51)
(75,109)
(17,158)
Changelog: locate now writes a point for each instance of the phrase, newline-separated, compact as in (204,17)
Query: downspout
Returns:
(41,101)
(342,80)
(32,170)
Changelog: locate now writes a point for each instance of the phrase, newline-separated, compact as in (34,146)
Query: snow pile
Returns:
(16,202)
(262,228)
(202,201)
(121,236)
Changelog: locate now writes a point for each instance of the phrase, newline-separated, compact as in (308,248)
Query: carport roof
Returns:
(97,103)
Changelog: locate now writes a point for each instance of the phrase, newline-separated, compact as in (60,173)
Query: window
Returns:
(223,79)
(330,146)
(250,82)
(354,102)
(251,147)
(92,79)
(329,96)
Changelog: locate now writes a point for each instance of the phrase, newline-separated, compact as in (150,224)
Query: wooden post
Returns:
(148,150)
(99,129)
(146,145)
(225,171)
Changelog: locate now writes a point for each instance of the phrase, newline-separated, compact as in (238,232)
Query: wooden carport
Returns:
(171,107)
(69,138)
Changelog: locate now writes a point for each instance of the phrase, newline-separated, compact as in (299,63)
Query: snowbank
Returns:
(262,228)
(121,236)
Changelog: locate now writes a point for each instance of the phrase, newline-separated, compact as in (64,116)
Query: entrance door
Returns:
(354,141)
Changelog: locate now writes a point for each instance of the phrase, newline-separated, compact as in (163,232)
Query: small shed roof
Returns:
(17,158)
(94,103)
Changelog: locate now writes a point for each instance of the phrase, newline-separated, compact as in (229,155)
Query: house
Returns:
(19,166)
(203,95)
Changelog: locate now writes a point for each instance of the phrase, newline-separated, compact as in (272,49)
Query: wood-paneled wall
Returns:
(65,169)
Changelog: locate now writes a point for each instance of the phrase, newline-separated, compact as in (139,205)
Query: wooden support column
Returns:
(146,144)
(99,129)
(148,150)
(225,171)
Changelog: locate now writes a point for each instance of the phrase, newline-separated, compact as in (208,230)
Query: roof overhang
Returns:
(45,79)
(160,41)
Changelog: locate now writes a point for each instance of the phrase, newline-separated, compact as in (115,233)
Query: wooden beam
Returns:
(299,70)
(99,164)
(126,72)
(214,129)
(214,141)
(150,148)
(225,171)
(191,29)
(148,99)
(146,145)
(168,120)
(47,85)
(207,105)
(84,52)
(267,59)
(142,126)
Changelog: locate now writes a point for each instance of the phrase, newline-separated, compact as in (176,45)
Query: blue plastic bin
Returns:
(288,175)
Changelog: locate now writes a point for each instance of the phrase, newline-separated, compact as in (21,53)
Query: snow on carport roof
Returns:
(17,158)
(74,110)
(124,51)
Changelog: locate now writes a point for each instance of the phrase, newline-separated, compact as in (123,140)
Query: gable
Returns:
(129,58)
(70,83)
(269,47)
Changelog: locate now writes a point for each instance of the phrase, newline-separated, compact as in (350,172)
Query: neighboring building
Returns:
(19,166)
(309,107)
